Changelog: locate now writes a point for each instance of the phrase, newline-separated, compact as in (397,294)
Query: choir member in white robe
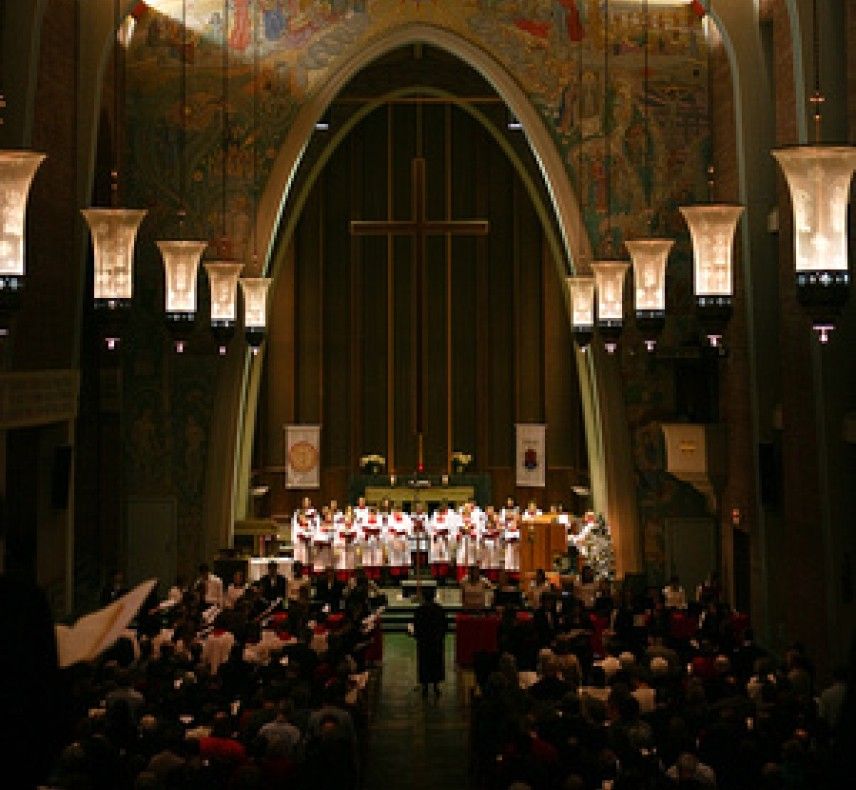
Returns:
(491,555)
(509,510)
(441,529)
(345,547)
(371,545)
(304,524)
(322,545)
(469,536)
(361,512)
(419,537)
(302,533)
(398,540)
(511,537)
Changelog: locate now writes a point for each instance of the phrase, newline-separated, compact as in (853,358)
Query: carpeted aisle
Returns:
(414,742)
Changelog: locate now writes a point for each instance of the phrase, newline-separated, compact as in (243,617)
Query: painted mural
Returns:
(616,92)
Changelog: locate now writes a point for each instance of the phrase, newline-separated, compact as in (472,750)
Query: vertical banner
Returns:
(531,455)
(302,456)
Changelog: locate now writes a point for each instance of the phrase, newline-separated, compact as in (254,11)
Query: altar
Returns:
(429,491)
(407,498)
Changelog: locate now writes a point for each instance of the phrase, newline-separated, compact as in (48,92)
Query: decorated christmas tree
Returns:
(597,548)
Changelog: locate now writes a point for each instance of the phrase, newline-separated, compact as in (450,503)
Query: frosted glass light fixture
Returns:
(649,258)
(819,178)
(223,280)
(180,264)
(712,228)
(114,232)
(255,290)
(581,295)
(17,169)
(609,282)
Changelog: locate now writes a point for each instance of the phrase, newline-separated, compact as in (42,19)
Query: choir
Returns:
(389,543)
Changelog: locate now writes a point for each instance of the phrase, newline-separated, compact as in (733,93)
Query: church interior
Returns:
(588,259)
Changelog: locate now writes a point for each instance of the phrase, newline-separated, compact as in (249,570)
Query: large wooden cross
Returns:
(419,227)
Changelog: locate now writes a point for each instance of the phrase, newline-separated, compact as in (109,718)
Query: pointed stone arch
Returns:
(607,435)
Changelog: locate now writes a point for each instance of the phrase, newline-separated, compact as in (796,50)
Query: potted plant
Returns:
(372,464)
(461,462)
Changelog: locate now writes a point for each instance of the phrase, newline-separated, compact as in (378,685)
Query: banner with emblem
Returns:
(531,455)
(302,456)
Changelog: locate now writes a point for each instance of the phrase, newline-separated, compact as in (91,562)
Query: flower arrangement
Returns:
(372,463)
(461,461)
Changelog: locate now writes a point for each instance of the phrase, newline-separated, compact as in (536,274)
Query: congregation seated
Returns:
(700,706)
(258,696)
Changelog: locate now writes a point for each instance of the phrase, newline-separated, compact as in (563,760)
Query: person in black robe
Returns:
(329,590)
(429,628)
(273,585)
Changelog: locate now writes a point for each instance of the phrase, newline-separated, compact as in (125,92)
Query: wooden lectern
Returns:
(541,539)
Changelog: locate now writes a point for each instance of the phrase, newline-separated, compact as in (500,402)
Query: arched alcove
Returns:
(611,472)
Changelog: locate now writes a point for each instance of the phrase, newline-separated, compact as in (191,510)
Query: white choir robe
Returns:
(301,538)
(419,535)
(491,555)
(508,513)
(398,537)
(442,530)
(322,547)
(345,548)
(372,546)
(512,547)
(361,515)
(469,537)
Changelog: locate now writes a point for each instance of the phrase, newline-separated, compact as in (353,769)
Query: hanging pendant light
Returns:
(819,179)
(113,232)
(17,169)
(255,290)
(581,295)
(181,265)
(223,283)
(609,282)
(712,228)
(181,258)
(649,258)
(609,273)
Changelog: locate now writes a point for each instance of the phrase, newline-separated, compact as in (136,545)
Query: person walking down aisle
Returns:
(429,628)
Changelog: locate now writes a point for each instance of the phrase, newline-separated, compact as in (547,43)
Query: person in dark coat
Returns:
(429,628)
(273,585)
